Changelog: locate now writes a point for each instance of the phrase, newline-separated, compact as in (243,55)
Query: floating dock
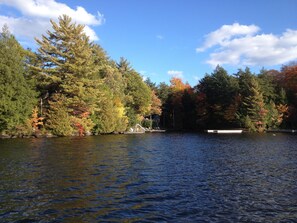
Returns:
(155,131)
(219,131)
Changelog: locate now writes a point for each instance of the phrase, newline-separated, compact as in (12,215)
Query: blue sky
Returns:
(165,38)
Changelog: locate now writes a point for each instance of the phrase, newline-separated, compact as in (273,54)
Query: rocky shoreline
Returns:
(6,136)
(49,135)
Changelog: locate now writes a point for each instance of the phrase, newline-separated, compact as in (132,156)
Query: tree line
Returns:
(255,102)
(69,86)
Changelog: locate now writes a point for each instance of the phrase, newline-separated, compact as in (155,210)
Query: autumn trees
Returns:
(243,100)
(95,94)
(219,100)
(69,86)
(288,81)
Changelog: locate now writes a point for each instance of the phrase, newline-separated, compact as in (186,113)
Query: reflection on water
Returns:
(150,177)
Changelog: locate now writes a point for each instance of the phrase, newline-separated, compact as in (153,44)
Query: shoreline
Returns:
(203,131)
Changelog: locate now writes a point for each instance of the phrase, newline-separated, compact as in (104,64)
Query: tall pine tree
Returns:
(67,68)
(255,119)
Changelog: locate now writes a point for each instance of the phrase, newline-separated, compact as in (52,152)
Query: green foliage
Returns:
(17,98)
(58,119)
(268,86)
(138,94)
(81,90)
(163,91)
(249,124)
(244,79)
(147,123)
(110,117)
(219,87)
(218,91)
(151,84)
(273,116)
(68,65)
(255,107)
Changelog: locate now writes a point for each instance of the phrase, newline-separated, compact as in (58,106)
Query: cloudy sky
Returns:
(171,38)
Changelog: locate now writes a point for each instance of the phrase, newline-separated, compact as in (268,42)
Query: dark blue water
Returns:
(150,178)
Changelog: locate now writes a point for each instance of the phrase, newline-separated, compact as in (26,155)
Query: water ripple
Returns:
(149,178)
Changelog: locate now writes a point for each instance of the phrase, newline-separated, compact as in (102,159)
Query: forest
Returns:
(71,87)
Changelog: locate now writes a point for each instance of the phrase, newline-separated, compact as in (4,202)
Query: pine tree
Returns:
(219,91)
(255,107)
(17,98)
(58,119)
(67,67)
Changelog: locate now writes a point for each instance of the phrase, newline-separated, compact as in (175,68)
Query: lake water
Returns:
(150,178)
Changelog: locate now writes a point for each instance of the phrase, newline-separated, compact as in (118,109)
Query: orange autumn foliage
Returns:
(80,129)
(156,104)
(35,121)
(178,85)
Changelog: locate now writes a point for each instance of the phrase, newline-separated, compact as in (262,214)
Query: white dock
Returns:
(219,131)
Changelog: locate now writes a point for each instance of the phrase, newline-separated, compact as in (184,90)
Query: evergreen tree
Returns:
(219,91)
(268,85)
(163,91)
(58,118)
(67,66)
(244,80)
(151,84)
(255,118)
(17,98)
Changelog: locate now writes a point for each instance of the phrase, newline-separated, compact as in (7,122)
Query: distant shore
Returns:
(49,135)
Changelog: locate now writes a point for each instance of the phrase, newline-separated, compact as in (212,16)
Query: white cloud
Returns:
(37,13)
(242,45)
(175,73)
(91,33)
(160,37)
(225,33)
